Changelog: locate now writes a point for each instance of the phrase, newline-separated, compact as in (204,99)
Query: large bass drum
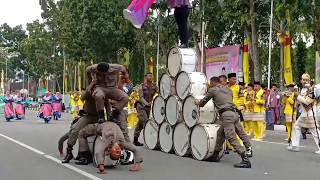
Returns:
(166,86)
(165,137)
(150,134)
(181,60)
(203,140)
(158,109)
(193,83)
(173,110)
(181,140)
(193,114)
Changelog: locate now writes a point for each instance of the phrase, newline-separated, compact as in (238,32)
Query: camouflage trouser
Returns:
(143,113)
(82,122)
(89,130)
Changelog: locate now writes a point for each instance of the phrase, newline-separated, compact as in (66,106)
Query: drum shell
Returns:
(181,59)
(167,86)
(155,134)
(166,137)
(208,147)
(191,83)
(184,137)
(158,109)
(174,110)
(193,114)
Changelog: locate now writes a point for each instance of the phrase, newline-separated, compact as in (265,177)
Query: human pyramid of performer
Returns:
(112,135)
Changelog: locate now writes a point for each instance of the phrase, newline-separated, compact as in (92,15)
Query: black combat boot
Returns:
(69,155)
(249,152)
(136,142)
(245,163)
(215,157)
(80,155)
(85,159)
(101,117)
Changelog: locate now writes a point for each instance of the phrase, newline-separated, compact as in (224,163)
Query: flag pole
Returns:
(158,44)
(270,43)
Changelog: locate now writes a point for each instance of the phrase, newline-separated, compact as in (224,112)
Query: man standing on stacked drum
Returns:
(229,120)
(147,90)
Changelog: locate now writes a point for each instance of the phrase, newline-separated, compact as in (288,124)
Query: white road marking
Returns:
(88,175)
(270,142)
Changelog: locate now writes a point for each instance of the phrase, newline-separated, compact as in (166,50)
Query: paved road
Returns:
(28,150)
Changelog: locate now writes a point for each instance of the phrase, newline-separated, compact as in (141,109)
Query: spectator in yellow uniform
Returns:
(259,112)
(290,109)
(75,103)
(249,96)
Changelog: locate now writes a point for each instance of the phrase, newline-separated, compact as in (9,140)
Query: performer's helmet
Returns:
(115,152)
(305,76)
(103,67)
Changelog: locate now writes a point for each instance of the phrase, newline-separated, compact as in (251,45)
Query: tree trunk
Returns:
(254,38)
(315,26)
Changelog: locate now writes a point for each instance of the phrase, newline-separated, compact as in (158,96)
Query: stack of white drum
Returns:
(176,123)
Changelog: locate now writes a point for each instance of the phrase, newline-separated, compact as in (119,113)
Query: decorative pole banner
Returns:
(137,12)
(317,68)
(245,65)
(288,78)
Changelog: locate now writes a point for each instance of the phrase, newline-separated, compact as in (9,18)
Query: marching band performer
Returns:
(146,91)
(75,104)
(19,109)
(8,107)
(259,113)
(57,106)
(112,135)
(46,108)
(289,110)
(229,120)
(307,117)
(248,114)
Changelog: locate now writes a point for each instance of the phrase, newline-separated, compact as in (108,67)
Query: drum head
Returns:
(174,61)
(107,161)
(181,139)
(158,109)
(150,134)
(190,111)
(165,86)
(199,143)
(183,85)
(165,137)
(172,110)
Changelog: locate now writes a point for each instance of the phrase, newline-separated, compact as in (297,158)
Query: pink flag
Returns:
(137,12)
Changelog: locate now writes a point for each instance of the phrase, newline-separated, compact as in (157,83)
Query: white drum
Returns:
(194,83)
(92,142)
(181,60)
(150,134)
(203,140)
(173,110)
(193,114)
(158,109)
(166,86)
(166,137)
(181,140)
